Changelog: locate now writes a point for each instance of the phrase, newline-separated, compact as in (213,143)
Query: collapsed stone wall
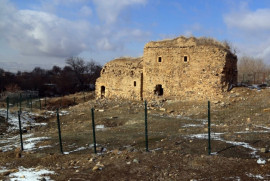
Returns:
(187,68)
(121,77)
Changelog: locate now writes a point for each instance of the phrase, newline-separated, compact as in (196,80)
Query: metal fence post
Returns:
(146,130)
(59,132)
(94,132)
(20,127)
(7,106)
(20,102)
(209,129)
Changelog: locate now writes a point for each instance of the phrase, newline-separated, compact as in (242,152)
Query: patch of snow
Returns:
(63,113)
(39,124)
(192,125)
(255,176)
(30,174)
(245,145)
(45,146)
(217,136)
(261,161)
(264,127)
(3,169)
(80,148)
(30,143)
(214,136)
(98,127)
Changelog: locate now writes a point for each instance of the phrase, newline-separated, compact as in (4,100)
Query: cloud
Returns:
(249,21)
(86,11)
(251,29)
(41,33)
(109,10)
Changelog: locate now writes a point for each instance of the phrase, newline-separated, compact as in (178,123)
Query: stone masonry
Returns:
(182,68)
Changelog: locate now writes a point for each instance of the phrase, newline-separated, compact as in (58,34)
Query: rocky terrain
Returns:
(177,132)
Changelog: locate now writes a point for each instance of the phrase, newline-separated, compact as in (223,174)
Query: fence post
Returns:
(20,127)
(94,132)
(59,132)
(146,130)
(20,102)
(7,106)
(209,129)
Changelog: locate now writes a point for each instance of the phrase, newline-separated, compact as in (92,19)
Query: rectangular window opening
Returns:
(134,83)
(159,59)
(185,58)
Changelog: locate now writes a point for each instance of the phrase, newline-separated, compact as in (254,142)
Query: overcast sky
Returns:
(45,32)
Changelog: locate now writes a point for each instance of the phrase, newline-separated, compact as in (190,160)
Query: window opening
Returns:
(159,59)
(134,83)
(185,58)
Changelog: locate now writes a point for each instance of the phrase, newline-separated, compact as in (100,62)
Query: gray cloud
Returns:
(252,29)
(42,33)
(109,10)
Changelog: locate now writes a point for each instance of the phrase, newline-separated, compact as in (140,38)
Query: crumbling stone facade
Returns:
(182,68)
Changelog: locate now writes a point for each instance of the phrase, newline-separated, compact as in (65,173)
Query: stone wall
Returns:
(187,69)
(182,68)
(121,78)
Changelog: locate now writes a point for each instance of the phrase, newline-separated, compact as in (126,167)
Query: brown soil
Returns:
(242,117)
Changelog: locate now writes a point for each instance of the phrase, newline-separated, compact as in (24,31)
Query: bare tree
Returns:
(78,66)
(252,69)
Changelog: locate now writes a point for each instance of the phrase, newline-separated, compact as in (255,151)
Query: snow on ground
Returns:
(30,143)
(79,149)
(217,136)
(255,176)
(53,113)
(30,174)
(100,127)
(192,125)
(9,142)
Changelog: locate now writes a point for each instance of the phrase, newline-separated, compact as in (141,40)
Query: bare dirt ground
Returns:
(177,130)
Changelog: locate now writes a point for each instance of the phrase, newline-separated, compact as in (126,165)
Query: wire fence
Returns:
(212,128)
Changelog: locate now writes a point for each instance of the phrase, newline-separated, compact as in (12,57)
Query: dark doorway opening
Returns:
(159,90)
(102,91)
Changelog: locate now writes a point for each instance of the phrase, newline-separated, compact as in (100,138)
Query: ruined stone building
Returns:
(182,68)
